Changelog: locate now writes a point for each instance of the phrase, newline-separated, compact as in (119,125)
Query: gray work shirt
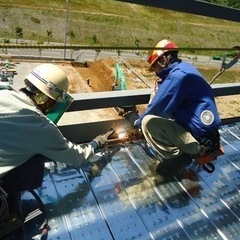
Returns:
(25,131)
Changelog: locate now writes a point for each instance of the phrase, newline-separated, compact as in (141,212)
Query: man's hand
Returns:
(101,140)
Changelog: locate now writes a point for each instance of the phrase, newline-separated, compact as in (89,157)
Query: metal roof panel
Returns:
(116,195)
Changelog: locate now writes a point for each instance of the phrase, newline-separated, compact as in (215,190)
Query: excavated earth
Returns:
(100,75)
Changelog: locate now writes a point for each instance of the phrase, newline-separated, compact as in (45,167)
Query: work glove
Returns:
(101,140)
(132,117)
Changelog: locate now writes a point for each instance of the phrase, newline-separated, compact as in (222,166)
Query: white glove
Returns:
(101,140)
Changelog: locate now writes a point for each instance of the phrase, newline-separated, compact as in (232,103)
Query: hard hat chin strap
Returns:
(164,61)
(161,65)
(168,61)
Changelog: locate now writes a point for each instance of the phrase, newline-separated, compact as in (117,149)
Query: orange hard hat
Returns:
(154,54)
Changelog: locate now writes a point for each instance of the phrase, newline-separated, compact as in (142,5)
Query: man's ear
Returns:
(162,61)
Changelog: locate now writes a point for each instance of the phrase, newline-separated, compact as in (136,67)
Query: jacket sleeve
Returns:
(50,142)
(167,98)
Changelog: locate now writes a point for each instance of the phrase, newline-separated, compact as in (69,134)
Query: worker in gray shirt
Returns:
(28,136)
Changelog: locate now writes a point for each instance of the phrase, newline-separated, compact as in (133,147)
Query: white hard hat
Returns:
(49,79)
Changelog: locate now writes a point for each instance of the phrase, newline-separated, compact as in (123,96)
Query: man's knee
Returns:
(146,122)
(152,123)
(35,170)
(29,175)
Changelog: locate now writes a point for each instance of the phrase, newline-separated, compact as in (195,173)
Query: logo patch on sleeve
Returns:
(207,117)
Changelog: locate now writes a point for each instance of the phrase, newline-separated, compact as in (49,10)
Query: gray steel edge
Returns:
(96,100)
(194,7)
(86,101)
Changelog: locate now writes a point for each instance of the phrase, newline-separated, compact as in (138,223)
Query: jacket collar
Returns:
(165,72)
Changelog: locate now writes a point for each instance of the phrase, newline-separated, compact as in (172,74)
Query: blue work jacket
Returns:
(185,96)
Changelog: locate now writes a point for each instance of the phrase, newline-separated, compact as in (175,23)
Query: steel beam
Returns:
(85,132)
(97,100)
(193,7)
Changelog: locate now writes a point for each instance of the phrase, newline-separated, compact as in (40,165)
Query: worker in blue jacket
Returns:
(181,119)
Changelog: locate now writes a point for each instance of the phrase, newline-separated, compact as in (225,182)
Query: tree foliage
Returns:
(19,33)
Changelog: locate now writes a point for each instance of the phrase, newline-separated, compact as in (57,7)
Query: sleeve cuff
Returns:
(94,144)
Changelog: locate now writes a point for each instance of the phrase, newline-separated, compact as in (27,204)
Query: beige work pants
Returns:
(168,138)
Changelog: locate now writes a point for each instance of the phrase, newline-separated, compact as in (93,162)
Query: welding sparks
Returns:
(122,135)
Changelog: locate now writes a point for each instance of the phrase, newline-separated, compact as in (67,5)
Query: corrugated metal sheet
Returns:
(116,195)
